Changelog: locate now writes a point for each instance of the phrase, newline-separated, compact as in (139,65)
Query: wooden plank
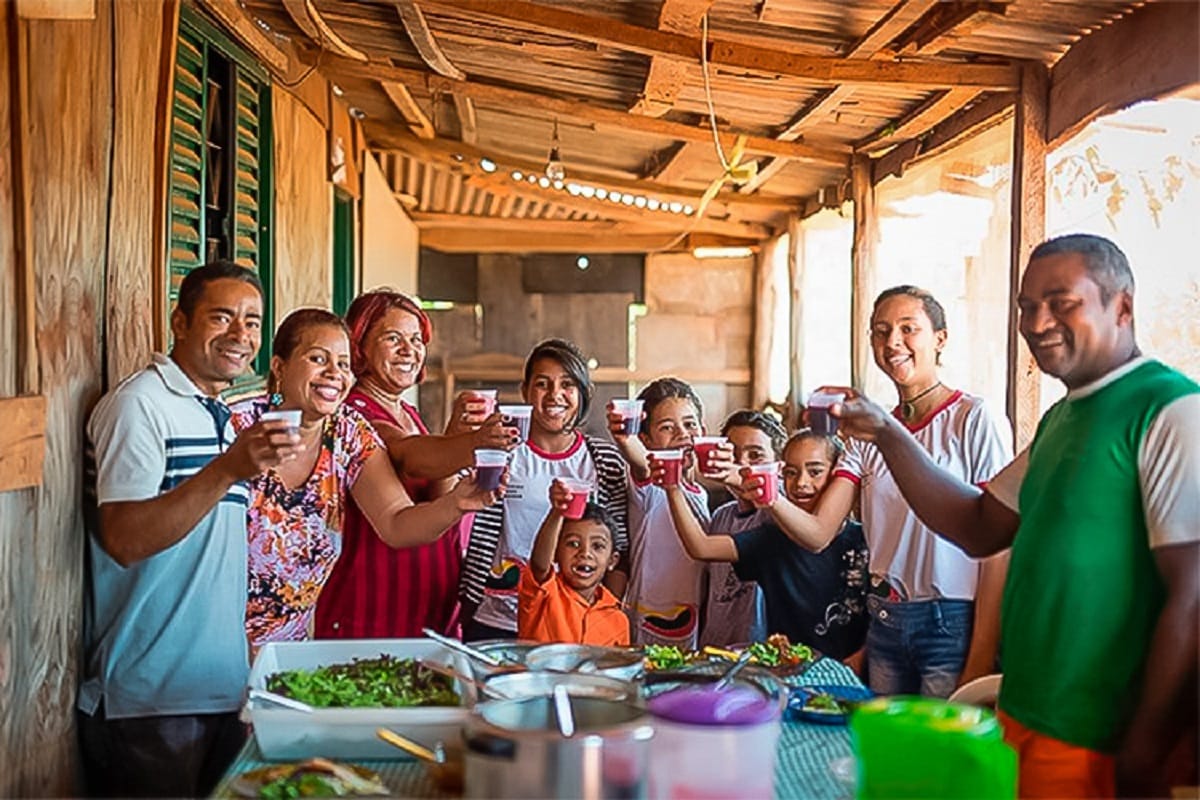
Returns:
(386,138)
(162,173)
(1028,230)
(56,9)
(898,18)
(862,266)
(143,80)
(309,19)
(795,316)
(813,112)
(938,107)
(756,58)
(575,236)
(987,112)
(503,97)
(468,126)
(665,77)
(1148,53)
(764,300)
(28,366)
(940,27)
(413,115)
(422,38)
(235,18)
(10,264)
(22,441)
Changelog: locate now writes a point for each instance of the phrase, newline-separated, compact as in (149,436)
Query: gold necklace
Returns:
(908,408)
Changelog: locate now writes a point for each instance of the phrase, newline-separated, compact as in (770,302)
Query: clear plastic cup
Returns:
(705,446)
(580,491)
(489,466)
(630,410)
(820,420)
(291,416)
(672,461)
(486,398)
(518,417)
(770,488)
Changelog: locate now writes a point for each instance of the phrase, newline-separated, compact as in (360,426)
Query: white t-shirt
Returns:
(1168,466)
(665,583)
(735,611)
(526,504)
(965,439)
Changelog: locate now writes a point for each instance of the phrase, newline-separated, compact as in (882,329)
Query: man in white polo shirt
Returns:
(165,642)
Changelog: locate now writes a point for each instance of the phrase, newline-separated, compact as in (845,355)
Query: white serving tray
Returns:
(349,733)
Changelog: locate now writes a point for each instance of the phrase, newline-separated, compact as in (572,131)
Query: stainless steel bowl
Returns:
(510,651)
(522,685)
(615,662)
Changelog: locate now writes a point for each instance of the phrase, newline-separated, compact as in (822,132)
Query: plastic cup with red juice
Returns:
(630,410)
(580,491)
(705,446)
(489,466)
(672,462)
(769,472)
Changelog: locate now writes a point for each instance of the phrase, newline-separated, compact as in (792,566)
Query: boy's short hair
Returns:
(760,421)
(594,512)
(661,389)
(834,446)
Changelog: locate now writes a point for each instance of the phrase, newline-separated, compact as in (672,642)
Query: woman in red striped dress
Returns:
(376,591)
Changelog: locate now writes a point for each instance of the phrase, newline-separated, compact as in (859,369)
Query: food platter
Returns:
(317,777)
(826,705)
(777,655)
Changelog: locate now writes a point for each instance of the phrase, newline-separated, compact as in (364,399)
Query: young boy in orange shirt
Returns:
(570,604)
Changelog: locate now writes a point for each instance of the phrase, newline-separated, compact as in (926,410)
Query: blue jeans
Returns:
(917,647)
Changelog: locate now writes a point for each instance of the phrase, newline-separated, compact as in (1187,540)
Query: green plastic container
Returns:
(919,747)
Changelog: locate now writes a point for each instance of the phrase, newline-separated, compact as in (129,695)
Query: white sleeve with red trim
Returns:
(1169,473)
(850,465)
(988,442)
(1005,486)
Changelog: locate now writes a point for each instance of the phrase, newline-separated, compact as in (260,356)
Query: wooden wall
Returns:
(303,208)
(65,74)
(389,237)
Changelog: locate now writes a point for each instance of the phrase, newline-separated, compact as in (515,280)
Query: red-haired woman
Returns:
(376,591)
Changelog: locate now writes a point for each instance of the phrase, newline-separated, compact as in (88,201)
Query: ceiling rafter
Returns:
(943,23)
(309,19)
(468,126)
(500,96)
(414,116)
(422,38)
(936,108)
(385,138)
(666,76)
(234,17)
(763,60)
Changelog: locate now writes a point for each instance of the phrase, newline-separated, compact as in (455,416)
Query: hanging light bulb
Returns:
(554,165)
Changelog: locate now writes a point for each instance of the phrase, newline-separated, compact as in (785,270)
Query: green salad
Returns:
(777,651)
(824,703)
(665,657)
(385,681)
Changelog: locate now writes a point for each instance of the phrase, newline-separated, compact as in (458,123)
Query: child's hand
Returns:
(493,435)
(468,496)
(616,423)
(560,496)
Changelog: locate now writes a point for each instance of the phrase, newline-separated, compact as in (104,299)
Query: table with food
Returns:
(424,718)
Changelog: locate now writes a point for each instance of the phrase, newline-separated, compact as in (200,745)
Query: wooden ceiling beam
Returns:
(502,97)
(468,127)
(309,19)
(938,107)
(246,30)
(898,19)
(762,60)
(384,138)
(940,26)
(414,117)
(665,77)
(471,235)
(966,123)
(422,38)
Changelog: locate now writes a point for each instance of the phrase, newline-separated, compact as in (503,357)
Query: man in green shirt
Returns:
(1102,511)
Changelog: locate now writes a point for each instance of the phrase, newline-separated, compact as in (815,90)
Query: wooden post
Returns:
(862,265)
(1028,229)
(765,298)
(795,258)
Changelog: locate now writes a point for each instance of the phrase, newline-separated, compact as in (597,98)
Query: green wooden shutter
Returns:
(186,203)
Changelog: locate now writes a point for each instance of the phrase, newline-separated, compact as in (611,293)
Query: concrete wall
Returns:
(389,238)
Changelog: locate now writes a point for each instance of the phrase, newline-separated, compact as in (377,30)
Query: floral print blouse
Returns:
(295,535)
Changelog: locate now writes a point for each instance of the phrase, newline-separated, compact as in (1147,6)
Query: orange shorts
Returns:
(1051,768)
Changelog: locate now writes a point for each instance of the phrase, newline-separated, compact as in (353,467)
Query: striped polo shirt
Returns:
(165,635)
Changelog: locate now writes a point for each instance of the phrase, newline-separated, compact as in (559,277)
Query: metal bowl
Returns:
(615,662)
(522,685)
(510,651)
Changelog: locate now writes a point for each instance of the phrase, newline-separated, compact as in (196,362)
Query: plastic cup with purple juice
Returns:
(630,410)
(517,416)
(820,420)
(489,467)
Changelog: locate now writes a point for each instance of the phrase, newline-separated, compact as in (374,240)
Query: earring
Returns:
(275,400)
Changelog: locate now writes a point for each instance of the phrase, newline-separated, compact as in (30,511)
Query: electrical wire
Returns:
(712,112)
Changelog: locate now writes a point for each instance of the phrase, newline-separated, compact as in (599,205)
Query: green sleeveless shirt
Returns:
(1083,592)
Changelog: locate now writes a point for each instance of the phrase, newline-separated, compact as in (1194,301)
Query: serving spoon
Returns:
(465,649)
